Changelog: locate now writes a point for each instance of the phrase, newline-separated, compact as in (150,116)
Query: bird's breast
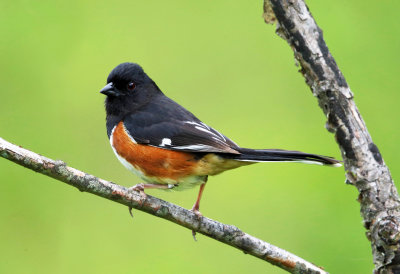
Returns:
(153,164)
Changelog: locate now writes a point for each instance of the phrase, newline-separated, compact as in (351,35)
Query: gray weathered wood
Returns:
(365,168)
(227,234)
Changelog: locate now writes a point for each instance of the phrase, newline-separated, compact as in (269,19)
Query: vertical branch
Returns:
(365,168)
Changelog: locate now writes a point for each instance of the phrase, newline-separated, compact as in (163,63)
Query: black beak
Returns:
(109,90)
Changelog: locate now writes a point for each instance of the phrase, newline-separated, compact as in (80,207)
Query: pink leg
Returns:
(196,207)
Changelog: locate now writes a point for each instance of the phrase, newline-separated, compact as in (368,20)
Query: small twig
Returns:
(227,234)
(380,203)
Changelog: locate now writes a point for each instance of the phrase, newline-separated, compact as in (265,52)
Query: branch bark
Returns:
(227,234)
(365,168)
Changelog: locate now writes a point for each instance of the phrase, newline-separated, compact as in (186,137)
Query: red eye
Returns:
(130,86)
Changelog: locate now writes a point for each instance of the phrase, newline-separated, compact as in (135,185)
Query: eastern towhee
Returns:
(166,145)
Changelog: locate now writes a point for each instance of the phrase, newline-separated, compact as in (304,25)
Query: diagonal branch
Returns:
(227,234)
(365,168)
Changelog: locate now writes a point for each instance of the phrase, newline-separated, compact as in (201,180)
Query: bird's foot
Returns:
(139,188)
(194,235)
(196,211)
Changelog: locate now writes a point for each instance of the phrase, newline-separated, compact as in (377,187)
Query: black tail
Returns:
(277,155)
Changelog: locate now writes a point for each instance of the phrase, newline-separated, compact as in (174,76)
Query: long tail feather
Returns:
(277,155)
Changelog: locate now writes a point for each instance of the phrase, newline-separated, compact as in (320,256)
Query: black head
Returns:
(125,80)
(128,89)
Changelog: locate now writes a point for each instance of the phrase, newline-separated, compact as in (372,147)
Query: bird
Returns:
(166,145)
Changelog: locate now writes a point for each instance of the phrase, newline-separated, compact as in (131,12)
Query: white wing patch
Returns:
(198,147)
(203,127)
(165,141)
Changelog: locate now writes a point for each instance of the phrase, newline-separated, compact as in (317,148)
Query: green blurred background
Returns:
(220,60)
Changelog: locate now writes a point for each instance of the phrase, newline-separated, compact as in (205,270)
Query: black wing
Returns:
(175,129)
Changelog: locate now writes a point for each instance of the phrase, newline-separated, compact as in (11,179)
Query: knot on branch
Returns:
(385,233)
(388,230)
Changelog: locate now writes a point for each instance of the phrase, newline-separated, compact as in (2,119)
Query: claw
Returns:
(139,188)
(197,212)
(196,206)
(199,215)
(194,235)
